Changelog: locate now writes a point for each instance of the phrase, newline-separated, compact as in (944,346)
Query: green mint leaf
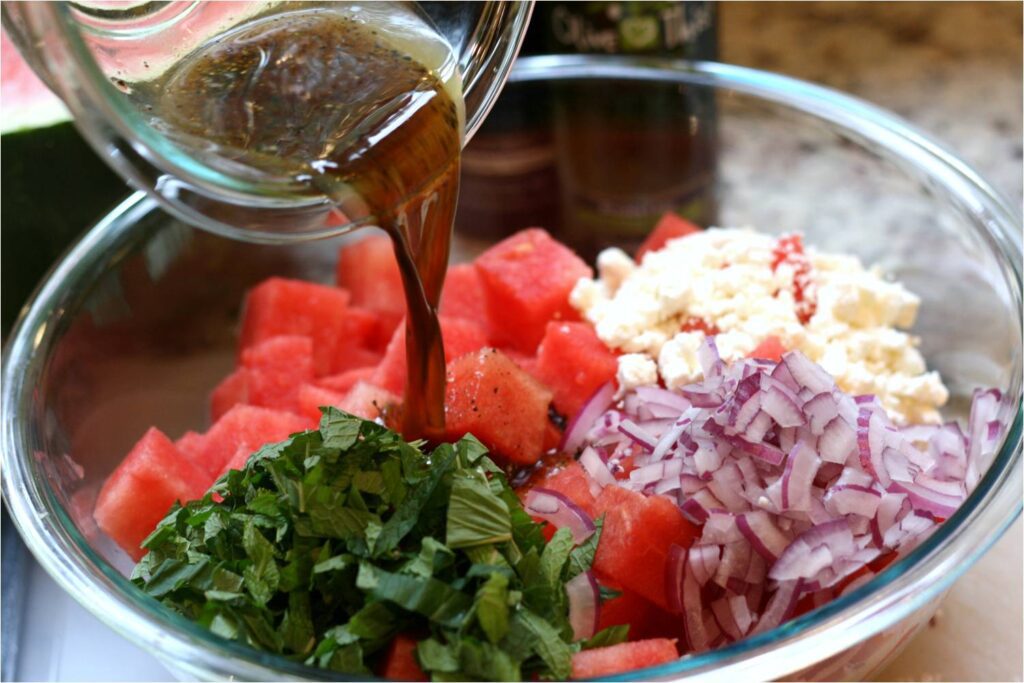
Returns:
(408,513)
(434,599)
(434,656)
(581,559)
(554,557)
(297,631)
(613,635)
(492,607)
(543,639)
(475,515)
(339,429)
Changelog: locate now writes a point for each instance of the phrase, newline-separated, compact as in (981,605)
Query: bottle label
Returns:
(684,29)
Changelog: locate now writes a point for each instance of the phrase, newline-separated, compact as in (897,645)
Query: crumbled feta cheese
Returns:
(724,279)
(636,370)
(678,362)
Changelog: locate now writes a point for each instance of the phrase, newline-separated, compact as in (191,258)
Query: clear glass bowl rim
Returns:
(901,589)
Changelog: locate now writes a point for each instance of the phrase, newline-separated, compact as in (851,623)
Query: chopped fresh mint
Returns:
(331,543)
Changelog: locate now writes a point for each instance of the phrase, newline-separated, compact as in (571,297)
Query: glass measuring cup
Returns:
(98,55)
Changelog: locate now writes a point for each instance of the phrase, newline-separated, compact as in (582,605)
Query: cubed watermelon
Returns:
(279,306)
(189,443)
(460,337)
(232,390)
(462,296)
(770,348)
(367,401)
(526,361)
(139,493)
(574,363)
(645,619)
(368,269)
(605,661)
(248,426)
(344,381)
(491,397)
(526,280)
(400,661)
(669,227)
(277,368)
(638,532)
(568,478)
(358,346)
(311,397)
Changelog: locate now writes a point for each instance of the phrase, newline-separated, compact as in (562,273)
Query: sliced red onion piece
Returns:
(722,609)
(747,412)
(741,613)
(779,608)
(720,528)
(704,561)
(638,434)
(764,537)
(820,410)
(662,397)
(709,358)
(781,408)
(553,507)
(984,410)
(780,373)
(584,604)
(838,441)
(852,499)
(758,427)
(576,432)
(807,374)
(814,550)
(797,478)
(699,506)
(870,443)
(762,451)
(596,468)
(927,499)
(732,569)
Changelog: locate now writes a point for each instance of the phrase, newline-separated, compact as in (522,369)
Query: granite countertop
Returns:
(955,70)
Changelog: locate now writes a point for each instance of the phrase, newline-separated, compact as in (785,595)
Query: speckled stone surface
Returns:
(951,68)
(954,70)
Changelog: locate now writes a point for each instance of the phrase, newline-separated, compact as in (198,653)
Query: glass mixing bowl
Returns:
(136,325)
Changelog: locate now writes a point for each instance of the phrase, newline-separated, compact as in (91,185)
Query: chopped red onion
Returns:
(763,536)
(790,479)
(584,604)
(553,507)
(576,431)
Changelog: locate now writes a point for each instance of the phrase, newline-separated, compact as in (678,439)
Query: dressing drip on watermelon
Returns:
(337,105)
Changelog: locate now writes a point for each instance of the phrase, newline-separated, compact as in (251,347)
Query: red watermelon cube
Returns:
(232,390)
(462,296)
(359,345)
(460,337)
(669,227)
(189,443)
(638,532)
(526,281)
(574,363)
(400,661)
(344,381)
(491,397)
(770,348)
(369,270)
(277,367)
(645,619)
(279,306)
(245,426)
(614,659)
(367,401)
(140,492)
(312,397)
(569,479)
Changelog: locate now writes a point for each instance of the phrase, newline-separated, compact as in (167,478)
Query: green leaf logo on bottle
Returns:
(639,33)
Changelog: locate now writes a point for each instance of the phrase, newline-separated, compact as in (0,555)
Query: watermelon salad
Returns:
(573,525)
